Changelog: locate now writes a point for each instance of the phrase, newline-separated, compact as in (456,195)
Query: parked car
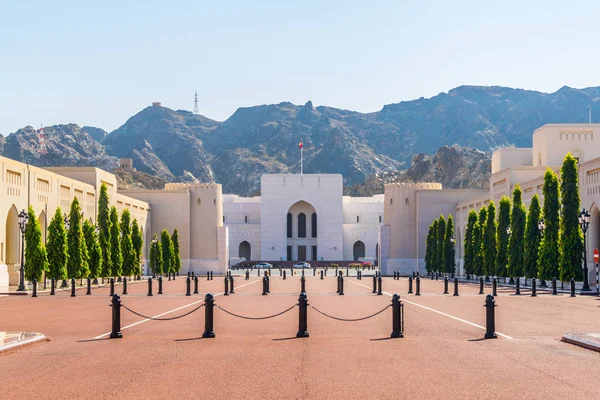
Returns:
(302,265)
(263,265)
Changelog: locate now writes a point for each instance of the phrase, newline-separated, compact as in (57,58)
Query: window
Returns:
(380,219)
(314,252)
(406,201)
(245,219)
(289,253)
(391,201)
(301,225)
(215,202)
(199,201)
(357,219)
(289,226)
(314,226)
(223,219)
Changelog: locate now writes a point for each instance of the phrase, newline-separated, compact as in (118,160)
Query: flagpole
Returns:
(301,160)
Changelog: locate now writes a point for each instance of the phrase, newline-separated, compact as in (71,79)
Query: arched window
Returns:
(245,219)
(314,225)
(358,250)
(301,225)
(380,219)
(245,250)
(357,219)
(289,225)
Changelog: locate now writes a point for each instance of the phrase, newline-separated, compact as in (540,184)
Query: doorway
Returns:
(301,253)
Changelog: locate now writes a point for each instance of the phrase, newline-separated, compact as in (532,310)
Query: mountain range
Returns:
(177,145)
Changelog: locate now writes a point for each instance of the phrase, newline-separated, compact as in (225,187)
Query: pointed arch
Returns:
(358,250)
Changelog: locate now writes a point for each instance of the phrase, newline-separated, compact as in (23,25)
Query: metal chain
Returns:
(255,318)
(162,319)
(351,319)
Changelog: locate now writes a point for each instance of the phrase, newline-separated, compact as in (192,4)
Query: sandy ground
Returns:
(441,356)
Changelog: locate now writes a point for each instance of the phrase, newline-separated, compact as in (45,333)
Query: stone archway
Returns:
(11,247)
(301,238)
(245,250)
(358,250)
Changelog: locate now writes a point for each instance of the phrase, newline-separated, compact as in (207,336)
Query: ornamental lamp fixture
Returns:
(508,230)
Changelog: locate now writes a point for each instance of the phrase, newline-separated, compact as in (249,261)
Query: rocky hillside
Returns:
(132,179)
(453,166)
(177,145)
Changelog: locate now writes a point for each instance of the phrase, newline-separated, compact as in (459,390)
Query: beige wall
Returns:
(511,156)
(552,141)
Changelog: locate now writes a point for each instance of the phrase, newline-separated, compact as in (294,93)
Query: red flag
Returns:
(300,144)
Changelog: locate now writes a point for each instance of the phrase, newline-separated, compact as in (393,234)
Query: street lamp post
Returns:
(541,227)
(154,243)
(509,232)
(23,219)
(584,222)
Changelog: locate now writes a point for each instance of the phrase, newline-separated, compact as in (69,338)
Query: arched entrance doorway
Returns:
(11,247)
(245,250)
(358,250)
(302,232)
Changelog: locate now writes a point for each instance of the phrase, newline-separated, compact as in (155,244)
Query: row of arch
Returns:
(301,225)
(358,250)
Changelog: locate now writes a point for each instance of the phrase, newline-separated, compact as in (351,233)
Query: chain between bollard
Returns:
(161,319)
(351,319)
(255,318)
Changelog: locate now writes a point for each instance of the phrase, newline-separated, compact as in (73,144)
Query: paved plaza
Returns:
(442,354)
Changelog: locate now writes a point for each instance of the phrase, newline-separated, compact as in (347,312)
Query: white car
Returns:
(263,265)
(302,265)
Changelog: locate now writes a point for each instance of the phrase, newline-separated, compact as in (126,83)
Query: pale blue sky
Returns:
(98,63)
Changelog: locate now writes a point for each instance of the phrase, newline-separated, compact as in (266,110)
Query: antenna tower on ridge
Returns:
(196,110)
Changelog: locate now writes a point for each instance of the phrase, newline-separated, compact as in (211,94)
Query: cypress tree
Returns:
(104,236)
(176,251)
(36,259)
(489,242)
(515,243)
(129,267)
(137,241)
(478,257)
(571,243)
(93,248)
(434,246)
(549,256)
(56,247)
(449,251)
(156,258)
(502,236)
(167,252)
(441,240)
(428,250)
(532,239)
(115,244)
(468,243)
(77,265)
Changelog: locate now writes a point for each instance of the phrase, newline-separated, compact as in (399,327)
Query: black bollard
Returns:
(518,287)
(554,293)
(280,272)
(116,318)
(208,275)
(160,291)
(112,287)
(314,272)
(374,285)
(572,287)
(341,292)
(188,283)
(34,292)
(480,285)
(264,282)
(226,292)
(337,290)
(533,288)
(302,314)
(209,303)
(397,317)
(432,276)
(302,285)
(410,283)
(149,286)
(195,285)
(437,275)
(284,275)
(325,271)
(494,287)
(52,286)
(379,293)
(445,285)
(490,320)
(321,274)
(72,287)
(247,275)
(124,285)
(455,286)
(418,291)
(231,284)
(268,284)
(170,276)
(211,275)
(89,286)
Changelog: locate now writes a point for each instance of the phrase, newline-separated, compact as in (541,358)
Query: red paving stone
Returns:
(439,357)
